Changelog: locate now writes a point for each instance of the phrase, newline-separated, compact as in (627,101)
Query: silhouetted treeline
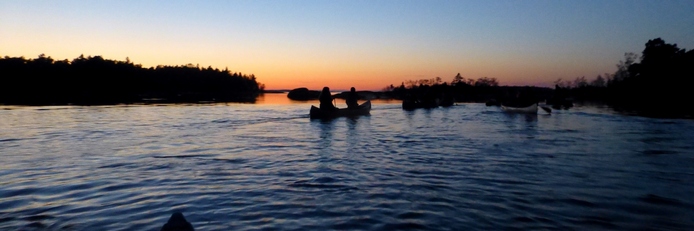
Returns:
(659,84)
(95,80)
(461,90)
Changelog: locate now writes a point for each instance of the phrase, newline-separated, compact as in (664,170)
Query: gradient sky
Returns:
(342,43)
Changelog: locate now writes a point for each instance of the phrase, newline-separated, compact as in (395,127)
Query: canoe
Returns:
(411,105)
(363,109)
(529,109)
(415,104)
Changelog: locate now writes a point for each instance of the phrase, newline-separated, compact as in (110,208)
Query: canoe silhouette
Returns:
(529,109)
(362,109)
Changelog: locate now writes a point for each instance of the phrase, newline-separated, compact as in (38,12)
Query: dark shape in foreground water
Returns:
(177,222)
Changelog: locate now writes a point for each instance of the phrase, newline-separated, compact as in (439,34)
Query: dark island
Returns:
(303,94)
(432,93)
(656,87)
(98,81)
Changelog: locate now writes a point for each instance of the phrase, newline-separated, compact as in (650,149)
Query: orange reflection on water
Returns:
(280,98)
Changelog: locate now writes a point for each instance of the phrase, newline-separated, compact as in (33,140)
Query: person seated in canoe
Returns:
(326,100)
(352,98)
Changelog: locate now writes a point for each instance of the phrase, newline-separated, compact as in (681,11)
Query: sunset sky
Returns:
(365,44)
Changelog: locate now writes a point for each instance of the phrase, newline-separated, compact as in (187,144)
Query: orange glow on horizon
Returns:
(361,45)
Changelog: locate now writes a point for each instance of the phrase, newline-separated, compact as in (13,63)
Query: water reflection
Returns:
(280,99)
(521,124)
(409,114)
(327,128)
(352,133)
(512,118)
(467,167)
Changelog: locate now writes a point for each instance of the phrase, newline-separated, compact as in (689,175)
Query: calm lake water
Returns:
(267,166)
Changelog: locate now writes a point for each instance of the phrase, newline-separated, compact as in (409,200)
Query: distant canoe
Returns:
(363,109)
(560,103)
(415,104)
(529,109)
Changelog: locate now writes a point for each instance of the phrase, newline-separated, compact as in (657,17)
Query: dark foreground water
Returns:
(268,166)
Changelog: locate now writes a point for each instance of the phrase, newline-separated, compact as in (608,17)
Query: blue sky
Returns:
(367,44)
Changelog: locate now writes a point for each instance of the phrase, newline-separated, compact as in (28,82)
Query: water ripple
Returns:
(254,167)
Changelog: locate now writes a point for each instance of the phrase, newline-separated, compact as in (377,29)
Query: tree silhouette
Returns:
(95,80)
(657,85)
